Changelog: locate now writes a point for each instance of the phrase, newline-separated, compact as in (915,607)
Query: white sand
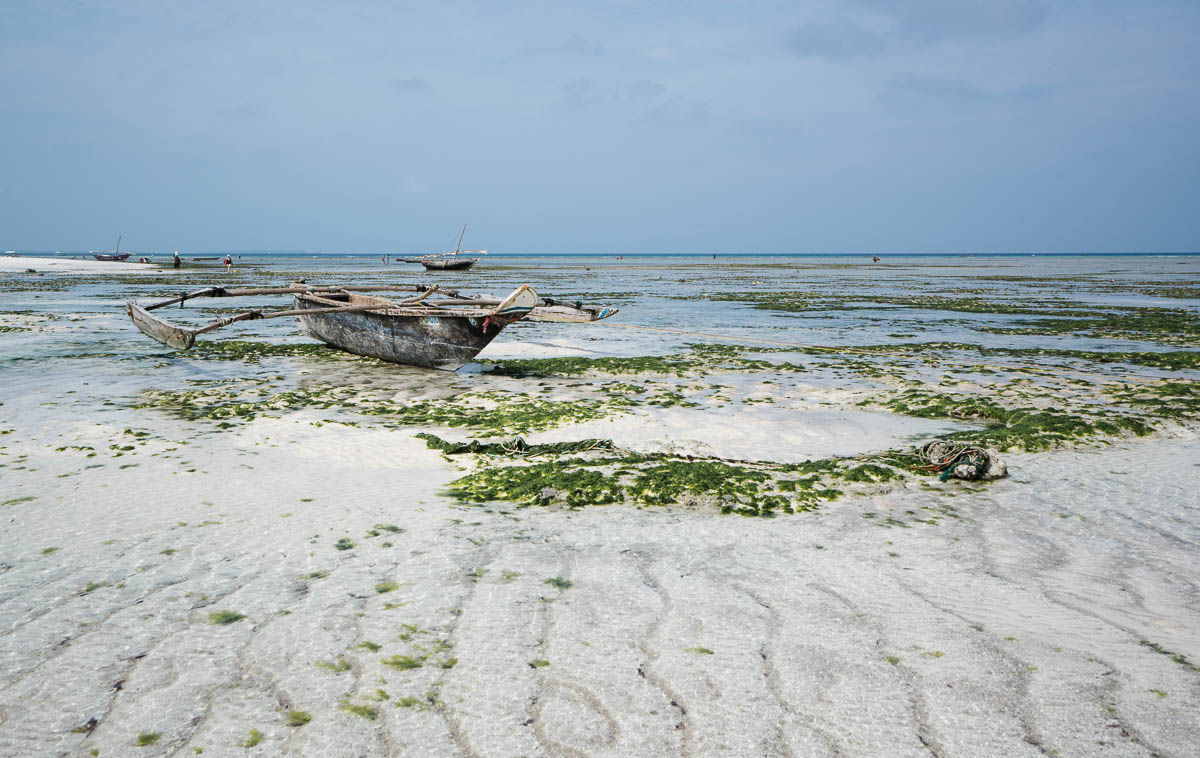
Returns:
(1014,631)
(754,433)
(72,265)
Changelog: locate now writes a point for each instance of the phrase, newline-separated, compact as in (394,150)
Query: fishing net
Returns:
(961,460)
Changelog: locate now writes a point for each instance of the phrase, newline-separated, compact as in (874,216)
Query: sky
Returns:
(598,127)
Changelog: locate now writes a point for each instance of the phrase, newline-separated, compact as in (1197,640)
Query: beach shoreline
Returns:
(22,264)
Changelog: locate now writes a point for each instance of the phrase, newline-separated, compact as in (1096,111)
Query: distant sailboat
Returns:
(110,255)
(448,261)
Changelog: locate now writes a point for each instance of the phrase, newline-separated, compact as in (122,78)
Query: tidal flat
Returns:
(698,528)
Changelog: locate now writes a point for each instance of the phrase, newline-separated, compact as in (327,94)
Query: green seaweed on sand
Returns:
(244,350)
(225,617)
(253,739)
(388,586)
(403,662)
(366,711)
(675,365)
(646,480)
(1175,400)
(1168,325)
(540,483)
(1030,429)
(337,665)
(791,301)
(490,413)
(516,447)
(560,583)
(147,738)
(344,543)
(667,482)
(378,529)
(298,718)
(1179,658)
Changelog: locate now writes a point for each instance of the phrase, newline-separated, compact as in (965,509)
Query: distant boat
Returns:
(110,255)
(446,264)
(448,261)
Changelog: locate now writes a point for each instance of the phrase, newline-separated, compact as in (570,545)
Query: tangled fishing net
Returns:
(961,460)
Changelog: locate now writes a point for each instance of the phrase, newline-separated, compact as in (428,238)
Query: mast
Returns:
(459,245)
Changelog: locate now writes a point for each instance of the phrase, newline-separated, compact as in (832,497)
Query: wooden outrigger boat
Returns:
(448,261)
(110,255)
(443,332)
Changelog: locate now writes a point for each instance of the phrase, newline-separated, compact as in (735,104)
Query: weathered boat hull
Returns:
(110,256)
(458,264)
(444,342)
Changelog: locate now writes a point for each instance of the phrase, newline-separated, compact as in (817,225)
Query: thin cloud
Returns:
(837,39)
(414,84)
(950,91)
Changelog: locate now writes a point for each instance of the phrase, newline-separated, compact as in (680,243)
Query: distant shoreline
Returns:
(708,255)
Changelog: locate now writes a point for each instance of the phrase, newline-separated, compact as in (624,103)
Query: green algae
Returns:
(516,447)
(1175,400)
(527,367)
(225,617)
(668,482)
(298,718)
(793,301)
(752,490)
(403,662)
(540,484)
(366,711)
(494,413)
(252,352)
(1175,657)
(1026,428)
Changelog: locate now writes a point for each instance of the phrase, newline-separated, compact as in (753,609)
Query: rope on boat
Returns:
(1098,377)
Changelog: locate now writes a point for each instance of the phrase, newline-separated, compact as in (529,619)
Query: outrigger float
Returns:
(435,328)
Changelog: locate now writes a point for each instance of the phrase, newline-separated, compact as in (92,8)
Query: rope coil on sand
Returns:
(961,460)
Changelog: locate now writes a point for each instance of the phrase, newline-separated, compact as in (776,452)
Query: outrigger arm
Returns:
(182,338)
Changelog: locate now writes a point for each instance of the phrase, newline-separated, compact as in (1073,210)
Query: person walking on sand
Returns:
(228,262)
(176,263)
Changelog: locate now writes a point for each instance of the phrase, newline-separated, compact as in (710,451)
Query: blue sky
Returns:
(838,126)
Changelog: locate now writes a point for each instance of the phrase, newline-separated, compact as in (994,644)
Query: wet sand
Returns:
(1002,629)
(1050,613)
